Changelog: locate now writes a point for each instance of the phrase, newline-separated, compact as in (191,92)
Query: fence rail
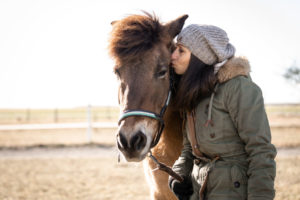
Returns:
(35,116)
(88,118)
(58,126)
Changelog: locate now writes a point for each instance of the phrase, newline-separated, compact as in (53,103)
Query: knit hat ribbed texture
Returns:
(208,43)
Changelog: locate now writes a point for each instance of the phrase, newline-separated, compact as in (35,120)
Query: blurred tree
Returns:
(293,73)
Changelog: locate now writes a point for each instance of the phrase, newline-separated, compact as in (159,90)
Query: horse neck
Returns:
(170,144)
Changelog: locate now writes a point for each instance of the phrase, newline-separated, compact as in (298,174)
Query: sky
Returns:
(53,53)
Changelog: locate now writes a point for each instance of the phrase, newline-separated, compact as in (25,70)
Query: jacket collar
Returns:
(235,66)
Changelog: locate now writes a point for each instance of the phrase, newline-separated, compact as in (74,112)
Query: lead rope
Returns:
(165,168)
(161,166)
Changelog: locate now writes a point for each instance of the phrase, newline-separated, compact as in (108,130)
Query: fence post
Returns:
(55,115)
(89,131)
(28,115)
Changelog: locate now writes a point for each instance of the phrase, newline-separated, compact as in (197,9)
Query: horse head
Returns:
(141,47)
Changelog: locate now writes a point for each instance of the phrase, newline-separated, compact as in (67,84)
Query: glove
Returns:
(182,190)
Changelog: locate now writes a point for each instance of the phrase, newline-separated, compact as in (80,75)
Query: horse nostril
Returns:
(138,141)
(122,142)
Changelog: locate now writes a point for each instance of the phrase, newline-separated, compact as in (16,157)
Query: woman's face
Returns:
(181,59)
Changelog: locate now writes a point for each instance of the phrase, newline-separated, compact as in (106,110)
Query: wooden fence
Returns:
(34,116)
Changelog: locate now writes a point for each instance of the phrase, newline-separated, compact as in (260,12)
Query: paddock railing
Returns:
(56,115)
(89,118)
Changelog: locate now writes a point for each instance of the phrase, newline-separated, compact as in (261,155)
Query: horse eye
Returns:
(161,74)
(116,71)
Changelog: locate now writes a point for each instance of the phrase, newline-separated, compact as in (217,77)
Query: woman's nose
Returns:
(174,55)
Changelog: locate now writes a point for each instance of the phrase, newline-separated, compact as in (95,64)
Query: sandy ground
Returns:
(93,173)
(58,152)
(86,178)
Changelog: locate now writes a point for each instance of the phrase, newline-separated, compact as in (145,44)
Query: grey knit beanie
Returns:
(208,43)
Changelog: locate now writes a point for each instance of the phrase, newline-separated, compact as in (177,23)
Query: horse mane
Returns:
(134,35)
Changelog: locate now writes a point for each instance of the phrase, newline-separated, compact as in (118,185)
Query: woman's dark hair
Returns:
(195,84)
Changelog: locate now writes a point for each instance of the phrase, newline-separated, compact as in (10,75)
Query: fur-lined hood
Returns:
(235,66)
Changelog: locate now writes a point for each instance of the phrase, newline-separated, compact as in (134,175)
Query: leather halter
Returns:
(159,117)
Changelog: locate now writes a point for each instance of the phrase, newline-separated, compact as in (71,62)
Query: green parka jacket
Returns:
(240,135)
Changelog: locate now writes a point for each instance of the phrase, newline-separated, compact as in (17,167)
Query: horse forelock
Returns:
(133,36)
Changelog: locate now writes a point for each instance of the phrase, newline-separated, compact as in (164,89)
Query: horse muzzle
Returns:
(134,140)
(134,144)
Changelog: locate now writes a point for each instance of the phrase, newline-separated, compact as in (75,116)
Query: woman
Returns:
(232,156)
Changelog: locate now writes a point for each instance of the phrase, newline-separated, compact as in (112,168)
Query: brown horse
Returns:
(141,47)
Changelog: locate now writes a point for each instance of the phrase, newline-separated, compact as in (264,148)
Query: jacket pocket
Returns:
(227,182)
(239,181)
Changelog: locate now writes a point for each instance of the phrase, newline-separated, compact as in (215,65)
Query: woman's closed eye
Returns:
(180,50)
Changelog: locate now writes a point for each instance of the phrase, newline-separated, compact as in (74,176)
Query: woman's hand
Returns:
(182,190)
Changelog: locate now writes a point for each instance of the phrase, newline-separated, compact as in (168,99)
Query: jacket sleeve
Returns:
(184,164)
(246,108)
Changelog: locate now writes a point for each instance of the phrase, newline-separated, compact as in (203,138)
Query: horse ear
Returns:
(113,22)
(174,27)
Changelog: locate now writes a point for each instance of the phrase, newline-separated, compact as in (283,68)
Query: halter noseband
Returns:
(144,113)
